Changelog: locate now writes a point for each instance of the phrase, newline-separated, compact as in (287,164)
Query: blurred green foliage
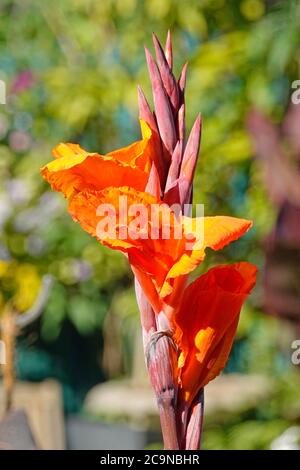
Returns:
(71,70)
(257,427)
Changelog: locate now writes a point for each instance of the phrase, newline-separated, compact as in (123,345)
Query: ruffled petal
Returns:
(74,169)
(201,233)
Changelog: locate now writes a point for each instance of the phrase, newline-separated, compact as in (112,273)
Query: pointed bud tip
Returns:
(168,50)
(148,54)
(155,38)
(197,123)
(182,77)
(160,55)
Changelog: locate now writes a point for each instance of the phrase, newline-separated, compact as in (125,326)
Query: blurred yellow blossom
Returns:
(19,283)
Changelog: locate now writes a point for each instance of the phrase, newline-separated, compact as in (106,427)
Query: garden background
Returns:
(71,71)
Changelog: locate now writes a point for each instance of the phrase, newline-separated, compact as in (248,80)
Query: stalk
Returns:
(175,168)
(161,358)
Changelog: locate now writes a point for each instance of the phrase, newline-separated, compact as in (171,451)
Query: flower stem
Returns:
(161,361)
(168,426)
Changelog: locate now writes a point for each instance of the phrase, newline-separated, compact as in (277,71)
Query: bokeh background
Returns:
(71,71)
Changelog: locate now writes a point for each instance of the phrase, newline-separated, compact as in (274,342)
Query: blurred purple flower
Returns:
(19,141)
(22,82)
(18,191)
(277,148)
(81,270)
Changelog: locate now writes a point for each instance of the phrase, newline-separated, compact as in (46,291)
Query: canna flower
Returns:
(188,330)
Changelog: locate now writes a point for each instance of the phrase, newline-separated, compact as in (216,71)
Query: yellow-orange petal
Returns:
(68,150)
(141,153)
(208,232)
(82,171)
(75,169)
(207,320)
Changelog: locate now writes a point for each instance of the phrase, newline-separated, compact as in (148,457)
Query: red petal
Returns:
(207,320)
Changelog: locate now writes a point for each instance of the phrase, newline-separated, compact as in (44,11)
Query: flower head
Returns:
(134,200)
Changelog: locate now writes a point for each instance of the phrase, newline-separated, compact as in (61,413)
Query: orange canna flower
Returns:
(126,200)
